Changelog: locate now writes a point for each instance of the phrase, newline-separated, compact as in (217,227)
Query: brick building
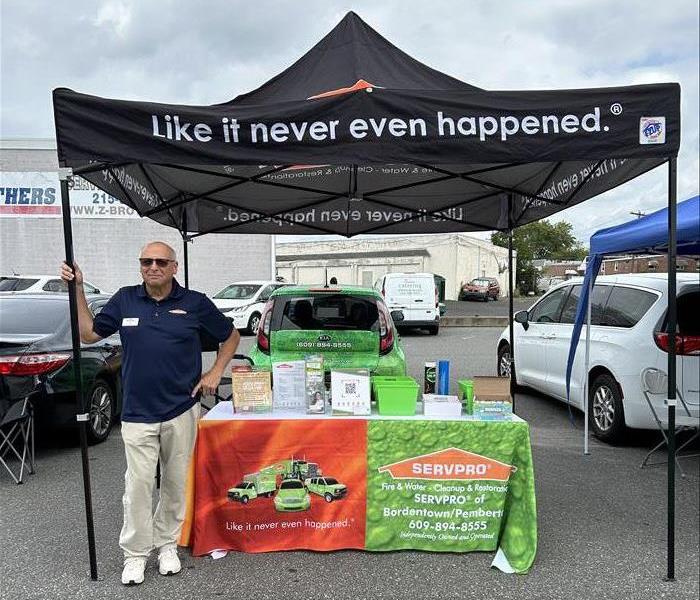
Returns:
(648,263)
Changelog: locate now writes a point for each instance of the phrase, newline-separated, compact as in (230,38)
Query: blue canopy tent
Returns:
(664,231)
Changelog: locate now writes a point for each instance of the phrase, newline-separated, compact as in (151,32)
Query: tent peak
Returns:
(351,52)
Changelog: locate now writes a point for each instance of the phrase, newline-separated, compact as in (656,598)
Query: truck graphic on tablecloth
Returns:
(269,479)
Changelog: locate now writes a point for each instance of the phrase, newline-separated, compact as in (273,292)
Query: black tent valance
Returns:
(358,137)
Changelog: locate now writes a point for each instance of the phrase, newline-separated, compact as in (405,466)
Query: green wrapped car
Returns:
(350,326)
(328,487)
(292,496)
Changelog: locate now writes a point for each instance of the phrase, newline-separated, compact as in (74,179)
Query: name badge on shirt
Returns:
(130,322)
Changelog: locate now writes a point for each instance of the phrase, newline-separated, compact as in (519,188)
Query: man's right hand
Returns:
(68,274)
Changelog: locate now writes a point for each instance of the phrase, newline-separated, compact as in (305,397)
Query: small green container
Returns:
(389,380)
(397,398)
(466,394)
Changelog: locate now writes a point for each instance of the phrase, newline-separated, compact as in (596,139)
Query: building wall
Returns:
(648,264)
(107,249)
(456,257)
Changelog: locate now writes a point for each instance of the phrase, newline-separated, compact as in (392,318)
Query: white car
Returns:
(244,301)
(40,284)
(628,315)
(415,295)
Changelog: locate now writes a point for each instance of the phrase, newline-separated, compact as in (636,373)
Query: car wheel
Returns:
(434,330)
(606,414)
(505,361)
(100,411)
(244,499)
(253,323)
(328,497)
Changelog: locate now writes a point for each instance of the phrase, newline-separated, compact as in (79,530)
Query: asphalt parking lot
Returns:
(492,308)
(601,521)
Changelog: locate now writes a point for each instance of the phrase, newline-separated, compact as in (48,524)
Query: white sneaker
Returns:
(133,570)
(168,562)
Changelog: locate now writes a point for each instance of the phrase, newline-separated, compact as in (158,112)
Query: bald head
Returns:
(158,250)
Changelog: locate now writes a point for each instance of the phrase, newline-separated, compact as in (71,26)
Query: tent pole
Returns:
(672,182)
(185,255)
(81,416)
(510,299)
(587,369)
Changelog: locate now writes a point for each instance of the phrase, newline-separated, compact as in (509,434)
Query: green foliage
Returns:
(540,240)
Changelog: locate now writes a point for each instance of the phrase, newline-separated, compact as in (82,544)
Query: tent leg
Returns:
(75,336)
(185,255)
(511,339)
(587,370)
(672,182)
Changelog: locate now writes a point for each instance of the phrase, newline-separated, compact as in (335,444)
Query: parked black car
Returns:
(36,360)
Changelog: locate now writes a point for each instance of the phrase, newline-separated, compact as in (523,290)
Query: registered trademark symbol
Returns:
(616,108)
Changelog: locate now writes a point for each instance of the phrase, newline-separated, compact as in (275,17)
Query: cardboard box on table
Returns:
(492,399)
(443,406)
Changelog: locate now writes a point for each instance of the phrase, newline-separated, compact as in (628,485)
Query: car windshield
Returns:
(331,481)
(15,284)
(238,291)
(240,485)
(328,312)
(480,282)
(18,316)
(295,484)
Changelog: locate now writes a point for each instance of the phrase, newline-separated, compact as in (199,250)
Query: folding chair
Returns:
(17,438)
(655,381)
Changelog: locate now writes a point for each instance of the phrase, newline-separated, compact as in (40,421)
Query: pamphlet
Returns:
(350,390)
(251,391)
(289,385)
(315,384)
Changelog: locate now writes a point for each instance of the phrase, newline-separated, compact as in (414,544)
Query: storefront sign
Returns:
(38,194)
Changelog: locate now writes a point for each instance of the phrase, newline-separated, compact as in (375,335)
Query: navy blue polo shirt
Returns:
(162,358)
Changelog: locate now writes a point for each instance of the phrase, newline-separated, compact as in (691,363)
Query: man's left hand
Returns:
(208,383)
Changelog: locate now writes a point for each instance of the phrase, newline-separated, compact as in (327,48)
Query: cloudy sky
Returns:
(208,52)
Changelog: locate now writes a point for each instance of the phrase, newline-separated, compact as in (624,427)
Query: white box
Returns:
(289,385)
(350,392)
(446,407)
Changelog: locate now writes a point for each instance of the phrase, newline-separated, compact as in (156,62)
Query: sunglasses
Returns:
(161,262)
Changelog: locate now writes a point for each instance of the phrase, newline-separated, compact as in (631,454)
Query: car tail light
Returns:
(32,364)
(437,303)
(264,328)
(386,331)
(686,345)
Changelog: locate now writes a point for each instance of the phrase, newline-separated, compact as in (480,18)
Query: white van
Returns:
(628,315)
(415,295)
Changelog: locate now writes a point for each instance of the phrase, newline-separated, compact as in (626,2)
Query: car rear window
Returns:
(688,314)
(16,284)
(18,316)
(327,312)
(626,306)
(238,292)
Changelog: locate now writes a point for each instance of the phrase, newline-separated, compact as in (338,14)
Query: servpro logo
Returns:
(450,464)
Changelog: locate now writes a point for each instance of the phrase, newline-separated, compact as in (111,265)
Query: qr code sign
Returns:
(350,388)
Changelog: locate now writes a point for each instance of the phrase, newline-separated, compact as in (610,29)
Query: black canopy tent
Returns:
(357,137)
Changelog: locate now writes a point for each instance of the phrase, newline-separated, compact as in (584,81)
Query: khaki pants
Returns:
(144,443)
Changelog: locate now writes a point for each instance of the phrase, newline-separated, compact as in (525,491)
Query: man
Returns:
(159,323)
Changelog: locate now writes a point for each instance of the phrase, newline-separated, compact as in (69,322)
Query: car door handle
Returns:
(547,336)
